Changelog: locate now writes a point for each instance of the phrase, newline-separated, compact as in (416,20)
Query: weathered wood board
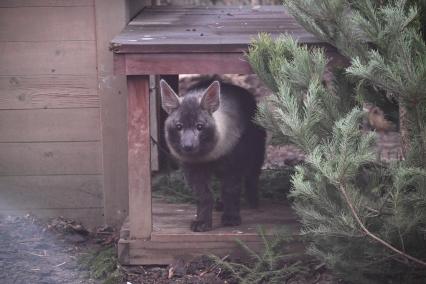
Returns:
(44,3)
(111,16)
(139,144)
(205,29)
(51,192)
(50,158)
(48,91)
(171,237)
(201,63)
(174,219)
(34,23)
(50,137)
(43,58)
(38,125)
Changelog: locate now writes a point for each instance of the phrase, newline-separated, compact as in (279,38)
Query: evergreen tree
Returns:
(364,218)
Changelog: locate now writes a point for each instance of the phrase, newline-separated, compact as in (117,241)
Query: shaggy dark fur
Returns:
(210,131)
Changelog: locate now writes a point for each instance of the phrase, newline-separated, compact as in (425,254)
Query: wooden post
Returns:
(140,213)
(111,16)
(153,109)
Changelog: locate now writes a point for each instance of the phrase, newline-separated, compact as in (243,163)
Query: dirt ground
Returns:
(32,252)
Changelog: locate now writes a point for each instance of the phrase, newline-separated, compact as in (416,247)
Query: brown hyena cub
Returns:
(210,130)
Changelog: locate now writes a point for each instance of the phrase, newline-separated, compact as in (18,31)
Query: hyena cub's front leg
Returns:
(197,179)
(231,190)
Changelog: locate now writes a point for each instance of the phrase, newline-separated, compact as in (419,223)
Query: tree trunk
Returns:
(403,129)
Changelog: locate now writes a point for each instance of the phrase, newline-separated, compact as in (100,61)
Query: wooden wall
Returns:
(52,159)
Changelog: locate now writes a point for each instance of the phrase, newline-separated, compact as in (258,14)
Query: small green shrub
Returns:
(102,265)
(276,264)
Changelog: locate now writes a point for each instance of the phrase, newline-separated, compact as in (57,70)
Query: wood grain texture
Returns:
(45,3)
(53,158)
(119,64)
(175,63)
(154,108)
(89,217)
(205,29)
(139,167)
(171,222)
(47,23)
(50,192)
(111,17)
(123,252)
(148,252)
(43,58)
(172,238)
(48,91)
(50,125)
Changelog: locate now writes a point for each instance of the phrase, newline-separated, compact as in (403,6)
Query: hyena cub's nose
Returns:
(188,142)
(188,148)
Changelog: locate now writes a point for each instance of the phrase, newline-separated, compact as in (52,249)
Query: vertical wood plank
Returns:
(154,122)
(111,18)
(139,161)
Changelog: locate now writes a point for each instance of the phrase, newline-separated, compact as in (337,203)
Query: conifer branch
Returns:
(384,204)
(373,236)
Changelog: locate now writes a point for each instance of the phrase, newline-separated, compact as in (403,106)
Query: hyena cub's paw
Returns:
(231,220)
(201,226)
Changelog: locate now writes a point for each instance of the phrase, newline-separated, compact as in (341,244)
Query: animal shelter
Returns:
(168,41)
(77,113)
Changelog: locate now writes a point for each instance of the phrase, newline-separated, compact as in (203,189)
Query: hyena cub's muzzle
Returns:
(189,141)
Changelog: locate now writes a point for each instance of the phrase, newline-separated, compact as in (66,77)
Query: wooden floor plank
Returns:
(174,219)
(172,238)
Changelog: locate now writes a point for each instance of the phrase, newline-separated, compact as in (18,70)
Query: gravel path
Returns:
(32,254)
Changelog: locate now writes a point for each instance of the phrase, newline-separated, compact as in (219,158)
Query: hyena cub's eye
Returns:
(200,126)
(179,126)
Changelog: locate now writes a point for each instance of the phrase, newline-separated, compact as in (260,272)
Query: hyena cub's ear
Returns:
(211,97)
(169,100)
